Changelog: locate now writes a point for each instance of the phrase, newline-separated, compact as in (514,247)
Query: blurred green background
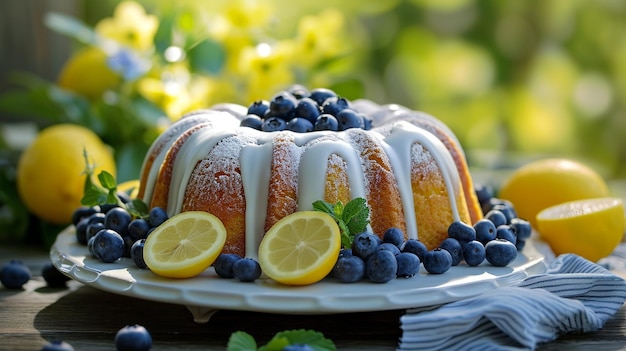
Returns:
(514,79)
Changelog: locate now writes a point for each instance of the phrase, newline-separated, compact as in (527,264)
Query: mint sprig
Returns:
(352,218)
(242,341)
(106,191)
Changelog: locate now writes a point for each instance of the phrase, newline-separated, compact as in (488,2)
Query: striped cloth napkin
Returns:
(574,295)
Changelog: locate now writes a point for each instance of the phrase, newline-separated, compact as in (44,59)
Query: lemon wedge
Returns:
(591,228)
(184,245)
(301,248)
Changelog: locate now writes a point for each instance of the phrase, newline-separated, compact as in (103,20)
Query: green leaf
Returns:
(71,27)
(324,206)
(93,196)
(207,56)
(356,215)
(241,341)
(107,180)
(300,336)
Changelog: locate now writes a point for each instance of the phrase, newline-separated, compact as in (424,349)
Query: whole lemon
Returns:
(547,182)
(50,172)
(87,73)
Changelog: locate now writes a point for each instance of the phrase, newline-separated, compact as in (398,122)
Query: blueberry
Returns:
(416,247)
(299,91)
(138,229)
(437,261)
(485,230)
(500,252)
(224,265)
(497,217)
(96,218)
(408,265)
(504,231)
(252,121)
(484,193)
(83,212)
(381,266)
(364,244)
(345,252)
(474,253)
(298,347)
(93,229)
(118,219)
(489,205)
(326,122)
(349,118)
(455,249)
(133,338)
(349,269)
(108,246)
(57,346)
(283,105)
(299,125)
(462,232)
(522,228)
(246,269)
(321,94)
(124,197)
(157,216)
(308,109)
(136,253)
(274,124)
(258,108)
(394,236)
(108,207)
(334,105)
(53,277)
(14,274)
(92,252)
(506,207)
(81,231)
(389,247)
(520,244)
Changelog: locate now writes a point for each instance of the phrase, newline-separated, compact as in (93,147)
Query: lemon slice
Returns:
(590,228)
(301,248)
(184,245)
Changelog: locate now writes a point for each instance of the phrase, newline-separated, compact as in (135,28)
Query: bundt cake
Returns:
(407,165)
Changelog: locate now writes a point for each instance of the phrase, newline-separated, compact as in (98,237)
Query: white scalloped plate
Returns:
(207,293)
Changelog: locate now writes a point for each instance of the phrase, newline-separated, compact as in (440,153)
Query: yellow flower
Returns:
(130,26)
(320,37)
(266,68)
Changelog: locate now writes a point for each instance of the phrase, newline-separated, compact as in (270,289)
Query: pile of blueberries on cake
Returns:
(299,110)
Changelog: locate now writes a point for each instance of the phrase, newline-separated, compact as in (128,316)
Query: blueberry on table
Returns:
(138,229)
(455,249)
(53,277)
(389,247)
(57,345)
(381,266)
(93,229)
(500,252)
(14,274)
(108,246)
(83,212)
(497,217)
(522,228)
(298,347)
(246,269)
(416,247)
(364,244)
(394,236)
(133,338)
(484,193)
(507,208)
(157,216)
(461,231)
(474,253)
(349,269)
(408,265)
(224,265)
(437,261)
(485,230)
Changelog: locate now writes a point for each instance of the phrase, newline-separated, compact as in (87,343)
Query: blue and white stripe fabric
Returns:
(574,295)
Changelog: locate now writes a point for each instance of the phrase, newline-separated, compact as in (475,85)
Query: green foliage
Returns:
(352,218)
(242,341)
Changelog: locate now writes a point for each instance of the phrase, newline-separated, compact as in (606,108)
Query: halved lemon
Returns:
(184,245)
(591,228)
(301,248)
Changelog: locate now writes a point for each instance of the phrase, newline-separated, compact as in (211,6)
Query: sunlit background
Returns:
(513,79)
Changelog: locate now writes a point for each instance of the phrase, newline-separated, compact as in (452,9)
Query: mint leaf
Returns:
(241,341)
(300,336)
(107,180)
(325,207)
(356,216)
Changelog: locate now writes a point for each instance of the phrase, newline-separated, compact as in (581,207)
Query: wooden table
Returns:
(88,319)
